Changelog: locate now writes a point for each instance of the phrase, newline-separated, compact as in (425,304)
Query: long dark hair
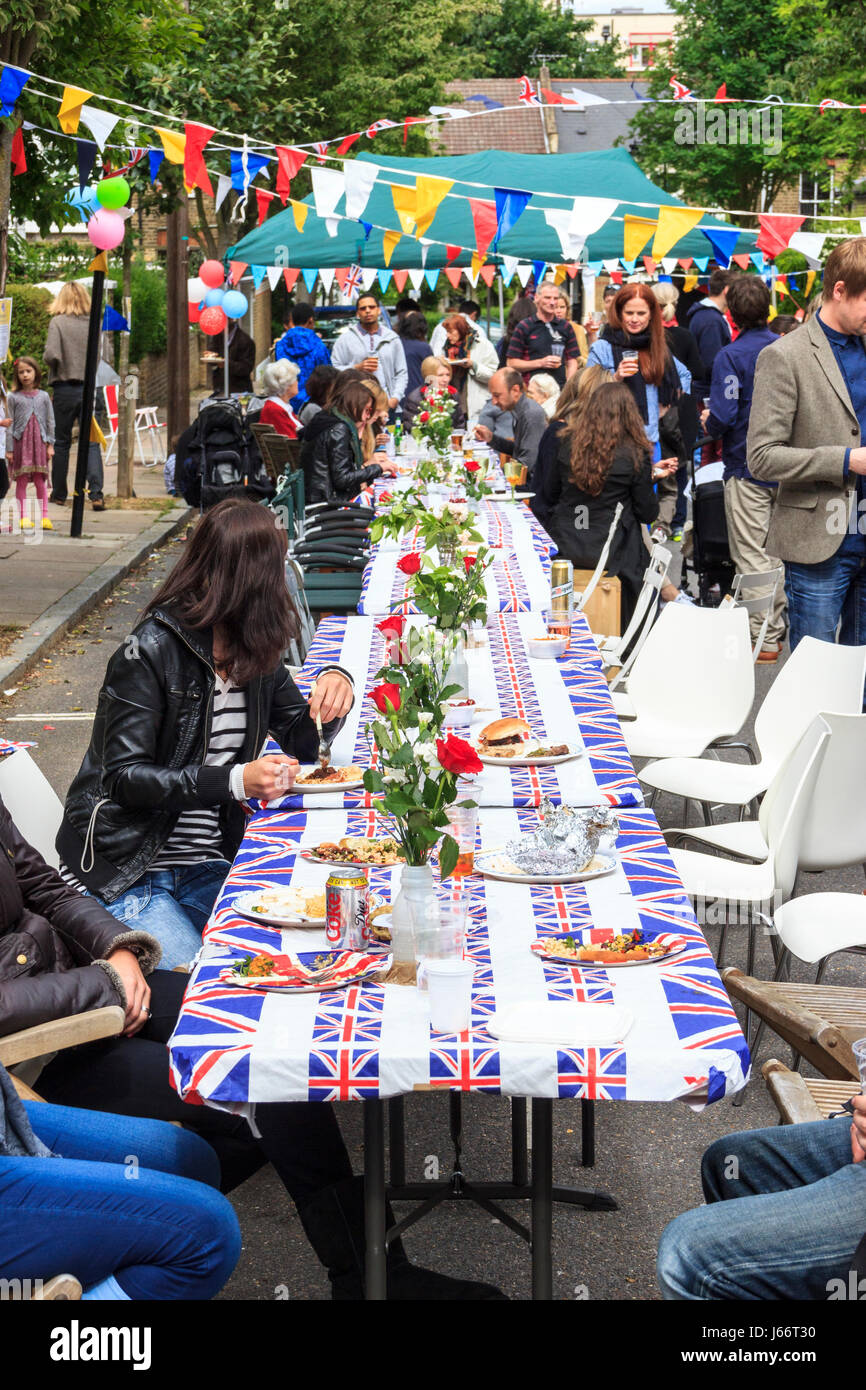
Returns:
(232,574)
(653,359)
(612,422)
(350,394)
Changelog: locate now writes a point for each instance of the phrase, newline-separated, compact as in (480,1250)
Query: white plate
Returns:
(676,945)
(242,905)
(506,496)
(523,761)
(308,790)
(496,864)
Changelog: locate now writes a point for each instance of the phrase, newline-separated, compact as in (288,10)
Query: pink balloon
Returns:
(106,230)
(213,274)
(212,321)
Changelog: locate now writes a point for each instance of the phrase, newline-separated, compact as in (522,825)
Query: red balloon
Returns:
(212,274)
(212,321)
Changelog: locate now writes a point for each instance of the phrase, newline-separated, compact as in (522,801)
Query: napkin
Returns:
(572,1025)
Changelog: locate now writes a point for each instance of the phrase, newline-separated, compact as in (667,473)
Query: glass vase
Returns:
(458,671)
(413,911)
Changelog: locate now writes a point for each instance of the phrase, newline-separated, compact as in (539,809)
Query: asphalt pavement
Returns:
(648,1156)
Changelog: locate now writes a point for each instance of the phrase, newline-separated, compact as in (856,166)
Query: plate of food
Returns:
(606,949)
(314,778)
(356,849)
(279,905)
(497,864)
(308,972)
(511,742)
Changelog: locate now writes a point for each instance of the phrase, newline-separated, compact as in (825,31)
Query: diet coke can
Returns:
(347,910)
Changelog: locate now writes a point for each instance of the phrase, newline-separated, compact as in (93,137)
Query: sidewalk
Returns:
(48,581)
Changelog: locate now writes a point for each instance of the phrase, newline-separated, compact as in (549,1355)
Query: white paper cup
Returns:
(449,986)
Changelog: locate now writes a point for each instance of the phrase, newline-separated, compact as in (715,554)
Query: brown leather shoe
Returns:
(771,652)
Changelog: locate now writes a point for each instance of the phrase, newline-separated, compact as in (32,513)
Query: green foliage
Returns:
(148,311)
(502,42)
(30,320)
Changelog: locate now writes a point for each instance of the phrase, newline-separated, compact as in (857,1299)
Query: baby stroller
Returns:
(705,547)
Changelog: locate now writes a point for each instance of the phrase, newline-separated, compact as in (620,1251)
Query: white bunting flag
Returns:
(274,275)
(359,178)
(368,278)
(523,270)
(509,265)
(416,279)
(332,225)
(669,264)
(559,221)
(809,244)
(224,183)
(588,214)
(327,279)
(611,264)
(328,188)
(101,123)
(581,98)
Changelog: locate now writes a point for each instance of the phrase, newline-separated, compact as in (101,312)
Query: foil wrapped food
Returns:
(566,840)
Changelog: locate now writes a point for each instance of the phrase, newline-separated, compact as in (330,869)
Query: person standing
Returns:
(66,354)
(377,350)
(681,341)
(30,439)
(473,361)
(242,361)
(748,502)
(545,343)
(302,345)
(468,310)
(528,419)
(413,332)
(707,321)
(805,433)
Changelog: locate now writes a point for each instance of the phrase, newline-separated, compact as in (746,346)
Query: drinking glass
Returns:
(462,824)
(630,355)
(859,1050)
(449,983)
(513,471)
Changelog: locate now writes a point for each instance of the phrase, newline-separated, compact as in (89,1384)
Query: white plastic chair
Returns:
(611,649)
(758,603)
(692,682)
(581,600)
(817,676)
(32,803)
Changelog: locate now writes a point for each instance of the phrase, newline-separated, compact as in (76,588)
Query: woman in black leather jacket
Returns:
(154,816)
(331,454)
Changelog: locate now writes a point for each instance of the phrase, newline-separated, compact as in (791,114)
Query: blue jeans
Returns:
(820,596)
(799,1214)
(127,1197)
(173,905)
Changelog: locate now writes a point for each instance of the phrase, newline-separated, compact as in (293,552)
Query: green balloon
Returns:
(113,193)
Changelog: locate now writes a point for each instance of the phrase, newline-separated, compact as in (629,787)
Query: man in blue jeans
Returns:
(786,1210)
(806,430)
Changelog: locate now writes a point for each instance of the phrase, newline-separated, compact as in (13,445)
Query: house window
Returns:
(817,194)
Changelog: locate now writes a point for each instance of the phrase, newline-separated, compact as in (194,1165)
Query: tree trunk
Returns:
(128,394)
(6,135)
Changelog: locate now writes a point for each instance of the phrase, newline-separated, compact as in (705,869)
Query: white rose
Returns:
(395,776)
(424,752)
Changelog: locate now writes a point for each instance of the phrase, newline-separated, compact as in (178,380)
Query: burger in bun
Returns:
(503,738)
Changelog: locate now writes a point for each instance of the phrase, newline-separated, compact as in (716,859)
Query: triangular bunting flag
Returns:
(258,273)
(700,261)
(742,260)
(359,179)
(721,93)
(510,205)
(452,252)
(809,244)
(327,278)
(113,322)
(173,144)
(99,262)
(384,278)
(523,270)
(289,161)
(538,269)
(411,120)
(368,227)
(300,212)
(810,280)
(757,259)
(559,275)
(346,143)
(628,266)
(616,277)
(101,123)
(224,183)
(368,277)
(244,168)
(484,223)
(780,286)
(669,264)
(263,202)
(488,273)
(86,151)
(274,274)
(429,193)
(507,269)
(636,233)
(594,268)
(673,225)
(328,188)
(195,175)
(453,274)
(290,279)
(776,231)
(405,200)
(321,148)
(18,155)
(236,270)
(611,263)
(154,159)
(416,279)
(474,270)
(70,108)
(400,278)
(689,283)
(571,271)
(649,265)
(432,278)
(559,221)
(309,276)
(723,240)
(12,80)
(332,225)
(341,275)
(96,435)
(389,241)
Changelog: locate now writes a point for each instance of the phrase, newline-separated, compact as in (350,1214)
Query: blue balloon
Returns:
(234,304)
(214,299)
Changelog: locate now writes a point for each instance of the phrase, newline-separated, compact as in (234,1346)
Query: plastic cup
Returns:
(859,1050)
(449,984)
(462,824)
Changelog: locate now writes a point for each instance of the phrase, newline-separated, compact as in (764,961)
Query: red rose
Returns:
(393,626)
(468,562)
(410,564)
(424,416)
(471,466)
(456,755)
(386,698)
(451,391)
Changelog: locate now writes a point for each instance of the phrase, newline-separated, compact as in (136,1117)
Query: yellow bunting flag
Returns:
(810,280)
(771,312)
(429,193)
(96,435)
(559,274)
(99,262)
(405,200)
(636,233)
(781,288)
(299,212)
(70,108)
(389,241)
(673,225)
(477,263)
(173,144)
(689,283)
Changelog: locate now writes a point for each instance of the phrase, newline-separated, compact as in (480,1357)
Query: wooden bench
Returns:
(801,1099)
(820,1022)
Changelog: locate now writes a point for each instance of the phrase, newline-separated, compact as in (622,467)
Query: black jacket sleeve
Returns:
(547,480)
(290,721)
(346,478)
(644,498)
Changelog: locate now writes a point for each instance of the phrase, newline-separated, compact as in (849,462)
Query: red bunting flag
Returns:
(195,175)
(649,265)
(289,161)
(346,144)
(487,273)
(236,270)
(777,228)
(400,278)
(411,120)
(616,277)
(19,158)
(454,275)
(685,261)
(571,271)
(263,201)
(341,276)
(291,277)
(484,220)
(552,98)
(452,252)
(722,93)
(743,261)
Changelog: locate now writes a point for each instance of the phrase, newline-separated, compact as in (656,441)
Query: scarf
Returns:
(669,389)
(354,436)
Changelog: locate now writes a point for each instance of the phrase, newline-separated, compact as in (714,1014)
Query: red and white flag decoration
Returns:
(321,148)
(379,125)
(777,228)
(681,91)
(19,158)
(352,285)
(528,95)
(484,221)
(830,104)
(289,161)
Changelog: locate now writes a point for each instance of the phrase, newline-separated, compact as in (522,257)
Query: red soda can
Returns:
(347,910)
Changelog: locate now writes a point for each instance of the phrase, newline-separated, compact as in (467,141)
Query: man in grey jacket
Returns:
(375,349)
(528,419)
(806,430)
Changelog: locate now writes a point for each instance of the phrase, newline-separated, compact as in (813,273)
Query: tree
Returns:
(756,51)
(507,40)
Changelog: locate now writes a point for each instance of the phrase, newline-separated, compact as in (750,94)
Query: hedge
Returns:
(30,320)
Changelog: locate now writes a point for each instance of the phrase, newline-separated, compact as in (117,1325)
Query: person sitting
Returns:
(529,420)
(603,458)
(302,345)
(783,1219)
(436,374)
(319,385)
(781,324)
(280,385)
(545,389)
(331,454)
(575,395)
(413,331)
(375,437)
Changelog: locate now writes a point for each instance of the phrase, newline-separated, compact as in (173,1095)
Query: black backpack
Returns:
(218,457)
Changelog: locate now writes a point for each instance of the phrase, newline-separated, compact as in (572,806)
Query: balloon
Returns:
(213,274)
(212,321)
(214,298)
(105,230)
(113,193)
(234,304)
(196,290)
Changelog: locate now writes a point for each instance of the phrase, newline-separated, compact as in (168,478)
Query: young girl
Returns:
(31,437)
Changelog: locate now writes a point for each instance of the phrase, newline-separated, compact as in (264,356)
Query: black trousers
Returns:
(129,1076)
(67,398)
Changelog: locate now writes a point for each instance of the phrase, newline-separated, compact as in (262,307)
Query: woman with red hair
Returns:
(633,347)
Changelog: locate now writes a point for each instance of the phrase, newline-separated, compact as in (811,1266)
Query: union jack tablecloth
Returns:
(8,746)
(518,580)
(565,701)
(233,1048)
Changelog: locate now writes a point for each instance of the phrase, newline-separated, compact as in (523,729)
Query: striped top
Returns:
(196,836)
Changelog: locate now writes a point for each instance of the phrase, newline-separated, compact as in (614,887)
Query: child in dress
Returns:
(30,439)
